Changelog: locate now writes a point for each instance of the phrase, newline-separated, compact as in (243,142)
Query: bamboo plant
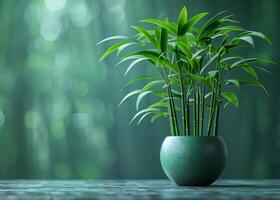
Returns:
(197,69)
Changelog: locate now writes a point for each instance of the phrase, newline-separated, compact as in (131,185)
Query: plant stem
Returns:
(217,112)
(188,116)
(215,133)
(183,95)
(202,111)
(194,112)
(174,117)
(216,120)
(198,109)
(170,112)
(211,113)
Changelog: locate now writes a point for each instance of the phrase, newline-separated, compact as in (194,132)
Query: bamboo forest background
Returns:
(58,104)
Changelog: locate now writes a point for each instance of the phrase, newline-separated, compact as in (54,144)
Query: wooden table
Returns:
(136,189)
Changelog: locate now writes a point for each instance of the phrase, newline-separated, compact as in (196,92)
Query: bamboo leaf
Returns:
(142,112)
(117,37)
(254,83)
(140,97)
(112,49)
(231,97)
(233,81)
(158,115)
(184,48)
(172,29)
(227,29)
(146,34)
(133,64)
(123,47)
(153,83)
(192,22)
(250,70)
(263,69)
(247,39)
(159,104)
(163,39)
(182,20)
(212,73)
(249,60)
(143,117)
(257,34)
(129,95)
(139,78)
(209,62)
(202,79)
(230,58)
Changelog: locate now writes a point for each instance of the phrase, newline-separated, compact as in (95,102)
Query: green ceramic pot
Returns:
(193,160)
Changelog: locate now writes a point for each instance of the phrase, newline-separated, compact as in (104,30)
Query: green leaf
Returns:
(192,22)
(139,78)
(249,60)
(209,62)
(159,104)
(142,112)
(153,83)
(159,94)
(133,64)
(250,70)
(163,39)
(112,49)
(233,81)
(113,38)
(231,97)
(129,95)
(258,34)
(263,69)
(212,28)
(209,21)
(227,29)
(196,54)
(157,59)
(146,34)
(191,39)
(202,79)
(184,48)
(165,25)
(143,117)
(158,115)
(182,20)
(230,58)
(140,97)
(121,48)
(212,73)
(247,39)
(254,83)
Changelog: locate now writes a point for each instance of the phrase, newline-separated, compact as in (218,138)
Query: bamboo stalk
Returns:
(188,116)
(194,113)
(171,117)
(202,110)
(211,114)
(198,109)
(217,113)
(216,120)
(183,95)
(176,130)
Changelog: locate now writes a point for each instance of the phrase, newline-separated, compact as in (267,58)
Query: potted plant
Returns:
(198,69)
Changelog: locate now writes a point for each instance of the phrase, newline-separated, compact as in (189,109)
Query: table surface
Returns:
(136,189)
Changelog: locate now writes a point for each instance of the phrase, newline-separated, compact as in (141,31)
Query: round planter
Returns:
(193,160)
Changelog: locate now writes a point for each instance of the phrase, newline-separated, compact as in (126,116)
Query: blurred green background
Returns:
(58,104)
